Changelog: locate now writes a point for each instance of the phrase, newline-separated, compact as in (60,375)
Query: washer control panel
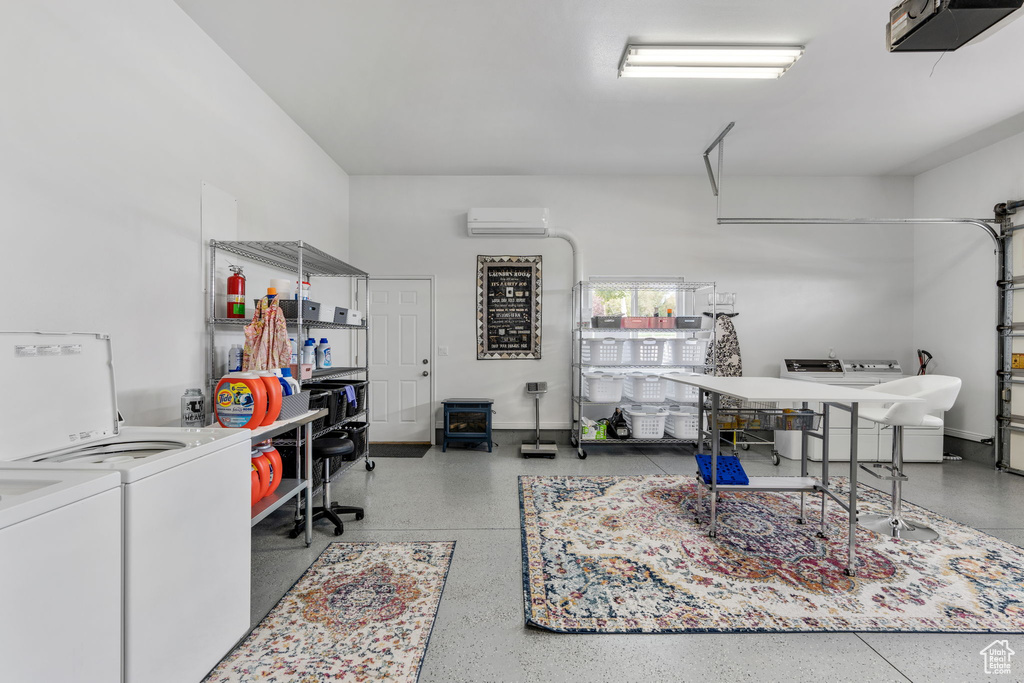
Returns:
(874,367)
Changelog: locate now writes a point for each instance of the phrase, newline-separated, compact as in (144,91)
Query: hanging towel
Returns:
(350,394)
(266,339)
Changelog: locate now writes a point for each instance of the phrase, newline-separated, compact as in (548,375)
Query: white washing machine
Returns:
(874,443)
(185,536)
(60,576)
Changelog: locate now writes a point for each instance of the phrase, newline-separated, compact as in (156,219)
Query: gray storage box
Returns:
(340,315)
(609,321)
(688,322)
(310,309)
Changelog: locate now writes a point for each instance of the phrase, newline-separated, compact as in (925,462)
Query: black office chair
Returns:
(324,449)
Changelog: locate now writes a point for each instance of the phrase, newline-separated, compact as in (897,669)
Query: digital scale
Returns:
(537,448)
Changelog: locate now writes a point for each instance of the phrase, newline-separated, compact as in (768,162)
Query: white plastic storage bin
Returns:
(645,422)
(688,351)
(602,387)
(646,351)
(681,422)
(683,393)
(607,351)
(644,388)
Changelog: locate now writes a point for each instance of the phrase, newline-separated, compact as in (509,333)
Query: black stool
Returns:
(324,449)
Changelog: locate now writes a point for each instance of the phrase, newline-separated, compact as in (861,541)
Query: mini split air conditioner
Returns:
(507,223)
(940,25)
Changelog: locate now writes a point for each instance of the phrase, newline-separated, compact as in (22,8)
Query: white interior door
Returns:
(401,365)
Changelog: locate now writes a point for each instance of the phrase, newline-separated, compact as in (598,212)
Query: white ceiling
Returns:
(530,87)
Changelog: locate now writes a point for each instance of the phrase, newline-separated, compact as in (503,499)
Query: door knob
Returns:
(425,373)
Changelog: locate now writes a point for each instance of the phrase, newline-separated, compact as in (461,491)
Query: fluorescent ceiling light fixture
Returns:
(708,61)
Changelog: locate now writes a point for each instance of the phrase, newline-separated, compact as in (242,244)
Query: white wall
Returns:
(801,290)
(113,114)
(955,273)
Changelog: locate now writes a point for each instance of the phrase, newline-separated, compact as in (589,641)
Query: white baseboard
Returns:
(970,436)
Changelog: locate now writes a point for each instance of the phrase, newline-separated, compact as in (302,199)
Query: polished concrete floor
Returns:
(472,497)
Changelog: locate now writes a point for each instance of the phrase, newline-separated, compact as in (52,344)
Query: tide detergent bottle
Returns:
(240,400)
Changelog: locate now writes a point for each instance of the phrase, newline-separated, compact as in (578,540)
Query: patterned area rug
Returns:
(361,612)
(608,554)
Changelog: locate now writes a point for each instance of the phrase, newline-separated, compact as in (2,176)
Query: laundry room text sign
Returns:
(508,307)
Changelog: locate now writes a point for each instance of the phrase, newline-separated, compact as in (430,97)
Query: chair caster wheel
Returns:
(360,516)
(294,533)
(581,456)
(338,531)
(370,465)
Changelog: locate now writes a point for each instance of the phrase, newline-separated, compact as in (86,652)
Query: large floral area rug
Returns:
(610,554)
(361,612)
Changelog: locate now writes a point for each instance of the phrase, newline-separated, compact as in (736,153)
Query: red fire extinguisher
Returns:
(236,293)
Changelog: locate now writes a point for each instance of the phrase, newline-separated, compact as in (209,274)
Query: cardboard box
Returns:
(303,371)
(1017,362)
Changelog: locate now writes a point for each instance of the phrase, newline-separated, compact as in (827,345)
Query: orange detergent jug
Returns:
(240,400)
(276,467)
(256,485)
(262,467)
(273,388)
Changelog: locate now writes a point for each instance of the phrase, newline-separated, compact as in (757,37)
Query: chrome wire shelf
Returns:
(290,321)
(601,442)
(627,402)
(358,417)
(334,373)
(286,255)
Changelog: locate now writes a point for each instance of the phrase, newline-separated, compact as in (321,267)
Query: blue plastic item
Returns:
(730,471)
(350,393)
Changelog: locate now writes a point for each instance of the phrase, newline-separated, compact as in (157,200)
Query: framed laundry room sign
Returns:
(508,309)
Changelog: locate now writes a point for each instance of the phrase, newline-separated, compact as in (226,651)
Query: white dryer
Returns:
(874,443)
(60,563)
(185,537)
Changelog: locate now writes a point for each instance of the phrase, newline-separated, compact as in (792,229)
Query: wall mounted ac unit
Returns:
(507,222)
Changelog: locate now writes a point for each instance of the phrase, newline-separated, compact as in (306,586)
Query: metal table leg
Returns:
(803,473)
(309,483)
(824,470)
(851,568)
(715,436)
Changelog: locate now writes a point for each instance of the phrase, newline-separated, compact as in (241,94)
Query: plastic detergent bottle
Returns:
(295,350)
(309,352)
(276,467)
(323,353)
(240,400)
(286,374)
(273,388)
(235,358)
(261,464)
(255,486)
(286,389)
